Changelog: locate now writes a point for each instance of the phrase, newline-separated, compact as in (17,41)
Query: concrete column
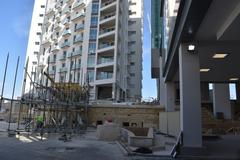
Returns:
(205,91)
(190,98)
(170,96)
(221,100)
(162,88)
(238,92)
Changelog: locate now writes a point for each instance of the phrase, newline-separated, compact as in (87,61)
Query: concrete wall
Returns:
(136,116)
(169,122)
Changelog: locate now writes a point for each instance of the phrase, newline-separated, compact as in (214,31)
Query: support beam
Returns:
(190,98)
(170,96)
(221,100)
(228,21)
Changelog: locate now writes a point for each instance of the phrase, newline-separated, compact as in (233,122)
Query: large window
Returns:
(93,34)
(94,21)
(92,48)
(95,8)
(91,61)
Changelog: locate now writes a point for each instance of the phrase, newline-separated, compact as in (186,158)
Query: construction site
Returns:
(57,121)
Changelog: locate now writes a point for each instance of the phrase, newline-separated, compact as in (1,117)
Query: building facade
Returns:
(34,41)
(96,42)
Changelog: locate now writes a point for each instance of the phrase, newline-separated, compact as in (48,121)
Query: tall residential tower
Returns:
(94,41)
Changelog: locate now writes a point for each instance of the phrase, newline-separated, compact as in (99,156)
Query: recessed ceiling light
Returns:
(220,55)
(234,79)
(191,47)
(204,70)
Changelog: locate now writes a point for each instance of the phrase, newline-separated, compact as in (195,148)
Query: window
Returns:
(39,33)
(132,52)
(132,63)
(94,21)
(40,15)
(35,53)
(132,74)
(93,34)
(63,65)
(95,7)
(42,6)
(39,24)
(37,43)
(34,63)
(90,75)
(91,61)
(92,48)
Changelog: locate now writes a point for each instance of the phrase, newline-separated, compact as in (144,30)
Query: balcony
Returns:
(55,49)
(105,45)
(108,17)
(79,27)
(104,75)
(79,3)
(108,4)
(66,33)
(63,57)
(46,41)
(67,11)
(63,69)
(50,12)
(57,27)
(78,16)
(106,32)
(65,44)
(105,60)
(52,60)
(55,37)
(66,22)
(75,53)
(47,22)
(68,1)
(58,5)
(78,39)
(78,66)
(51,72)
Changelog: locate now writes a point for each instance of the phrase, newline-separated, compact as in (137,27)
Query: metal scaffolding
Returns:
(60,106)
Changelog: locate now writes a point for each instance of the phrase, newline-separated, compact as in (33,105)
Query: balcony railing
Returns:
(78,4)
(66,22)
(67,10)
(106,30)
(79,27)
(78,66)
(67,33)
(62,57)
(107,3)
(79,15)
(65,44)
(104,75)
(78,39)
(55,48)
(75,53)
(50,11)
(63,69)
(110,15)
(105,45)
(105,60)
(52,60)
(51,72)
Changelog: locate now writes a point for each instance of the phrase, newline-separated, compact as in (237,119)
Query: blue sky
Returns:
(15,18)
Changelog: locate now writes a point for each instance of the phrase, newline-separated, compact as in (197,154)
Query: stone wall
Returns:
(135,116)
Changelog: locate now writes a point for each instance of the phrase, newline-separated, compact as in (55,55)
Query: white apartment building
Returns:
(94,41)
(34,41)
